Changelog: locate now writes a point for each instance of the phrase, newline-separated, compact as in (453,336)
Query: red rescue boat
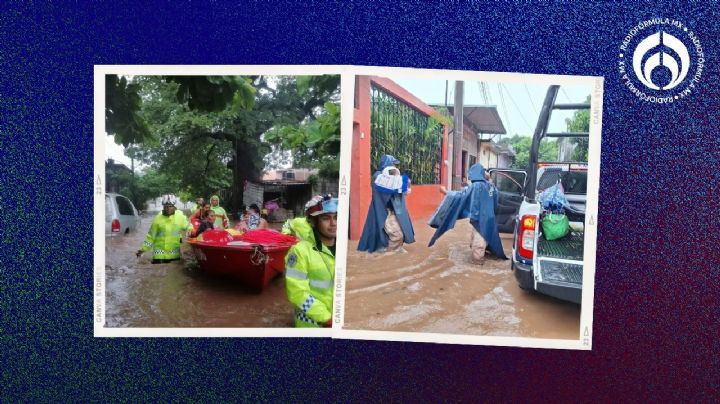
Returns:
(253,258)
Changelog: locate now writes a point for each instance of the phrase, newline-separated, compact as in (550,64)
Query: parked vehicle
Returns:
(554,268)
(121,217)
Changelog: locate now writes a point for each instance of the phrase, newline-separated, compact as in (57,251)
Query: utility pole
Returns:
(446,92)
(458,134)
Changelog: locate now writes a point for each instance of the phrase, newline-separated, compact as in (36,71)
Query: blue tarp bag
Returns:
(553,199)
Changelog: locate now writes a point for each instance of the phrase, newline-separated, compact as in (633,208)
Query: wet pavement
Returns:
(140,294)
(439,290)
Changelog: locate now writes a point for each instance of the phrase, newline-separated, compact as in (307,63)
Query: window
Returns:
(125,206)
(573,182)
(511,182)
(108,207)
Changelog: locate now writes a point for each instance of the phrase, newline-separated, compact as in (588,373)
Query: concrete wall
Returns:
(253,194)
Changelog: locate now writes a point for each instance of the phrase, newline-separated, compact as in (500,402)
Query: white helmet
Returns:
(168,200)
(321,204)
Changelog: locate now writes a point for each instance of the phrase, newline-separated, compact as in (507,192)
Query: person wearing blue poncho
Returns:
(388,224)
(476,202)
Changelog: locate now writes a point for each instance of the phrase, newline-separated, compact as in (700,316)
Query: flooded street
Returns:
(140,294)
(438,290)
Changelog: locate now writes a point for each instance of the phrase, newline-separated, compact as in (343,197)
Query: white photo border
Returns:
(584,342)
(347,87)
(100,71)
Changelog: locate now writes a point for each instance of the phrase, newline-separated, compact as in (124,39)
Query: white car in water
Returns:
(121,217)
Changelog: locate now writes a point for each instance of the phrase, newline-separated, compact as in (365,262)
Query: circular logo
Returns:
(661,60)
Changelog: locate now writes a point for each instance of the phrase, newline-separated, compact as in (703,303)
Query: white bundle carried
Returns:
(388,181)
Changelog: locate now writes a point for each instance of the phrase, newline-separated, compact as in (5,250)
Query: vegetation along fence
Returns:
(411,136)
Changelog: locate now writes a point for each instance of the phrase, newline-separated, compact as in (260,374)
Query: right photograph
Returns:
(468,206)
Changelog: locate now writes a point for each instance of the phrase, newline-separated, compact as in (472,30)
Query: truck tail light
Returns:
(527,236)
(115,226)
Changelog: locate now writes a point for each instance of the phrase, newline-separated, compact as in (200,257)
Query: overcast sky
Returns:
(519,105)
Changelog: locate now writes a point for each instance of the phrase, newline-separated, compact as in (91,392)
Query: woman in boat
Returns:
(221,219)
(254,220)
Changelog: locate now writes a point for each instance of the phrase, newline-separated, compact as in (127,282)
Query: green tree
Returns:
(521,145)
(212,133)
(580,122)
(122,111)
(313,139)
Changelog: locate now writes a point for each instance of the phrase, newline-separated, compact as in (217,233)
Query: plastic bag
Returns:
(555,226)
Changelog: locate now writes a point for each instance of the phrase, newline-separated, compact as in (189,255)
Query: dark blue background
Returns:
(656,296)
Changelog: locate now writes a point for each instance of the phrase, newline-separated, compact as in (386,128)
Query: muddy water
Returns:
(439,290)
(140,294)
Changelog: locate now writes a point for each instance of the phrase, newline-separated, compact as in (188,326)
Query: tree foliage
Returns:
(122,111)
(580,122)
(210,133)
(214,93)
(313,140)
(146,185)
(521,145)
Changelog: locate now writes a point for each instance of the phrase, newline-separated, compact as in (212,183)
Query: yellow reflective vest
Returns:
(300,228)
(165,234)
(309,279)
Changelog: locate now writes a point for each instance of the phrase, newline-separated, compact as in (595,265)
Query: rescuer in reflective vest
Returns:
(165,234)
(310,265)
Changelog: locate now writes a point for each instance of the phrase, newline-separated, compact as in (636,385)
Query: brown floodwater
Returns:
(140,294)
(439,290)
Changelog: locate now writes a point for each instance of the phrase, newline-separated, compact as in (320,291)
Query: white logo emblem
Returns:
(669,61)
(678,68)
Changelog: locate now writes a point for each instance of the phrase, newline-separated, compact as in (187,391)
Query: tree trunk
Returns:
(244,169)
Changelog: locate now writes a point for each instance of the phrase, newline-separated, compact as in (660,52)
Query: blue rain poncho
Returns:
(373,236)
(476,202)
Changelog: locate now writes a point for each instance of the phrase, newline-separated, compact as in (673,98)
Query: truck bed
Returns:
(569,247)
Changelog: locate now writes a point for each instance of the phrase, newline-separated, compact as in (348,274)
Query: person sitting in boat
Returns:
(206,222)
(241,213)
(310,266)
(254,220)
(201,211)
(165,234)
(221,219)
(197,205)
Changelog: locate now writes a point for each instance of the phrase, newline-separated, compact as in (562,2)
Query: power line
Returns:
(531,99)
(502,102)
(484,92)
(518,108)
(565,94)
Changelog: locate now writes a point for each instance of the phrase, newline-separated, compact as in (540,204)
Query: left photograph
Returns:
(220,199)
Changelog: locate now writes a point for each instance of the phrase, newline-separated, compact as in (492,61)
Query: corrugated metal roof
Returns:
(484,118)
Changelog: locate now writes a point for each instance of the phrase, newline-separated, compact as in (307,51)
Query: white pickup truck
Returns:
(554,268)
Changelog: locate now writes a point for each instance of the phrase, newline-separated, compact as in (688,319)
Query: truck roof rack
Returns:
(541,132)
(568,134)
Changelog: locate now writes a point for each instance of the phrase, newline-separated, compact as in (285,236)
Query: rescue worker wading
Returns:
(165,234)
(310,264)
